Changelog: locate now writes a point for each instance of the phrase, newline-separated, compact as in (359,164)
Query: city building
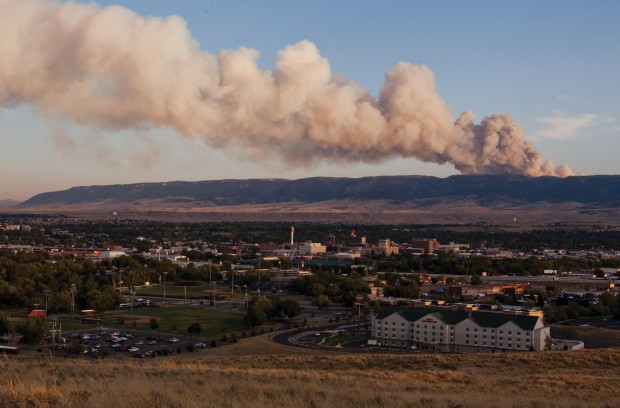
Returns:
(385,247)
(458,331)
(427,245)
(311,248)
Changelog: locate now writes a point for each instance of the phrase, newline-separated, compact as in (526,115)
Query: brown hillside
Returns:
(548,379)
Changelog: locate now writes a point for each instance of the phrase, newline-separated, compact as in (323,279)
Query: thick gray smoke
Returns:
(110,67)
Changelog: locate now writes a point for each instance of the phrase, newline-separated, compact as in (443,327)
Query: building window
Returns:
(475,330)
(467,335)
(484,330)
(466,341)
(501,332)
(467,329)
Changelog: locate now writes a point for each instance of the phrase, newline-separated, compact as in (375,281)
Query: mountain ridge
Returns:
(482,188)
(378,199)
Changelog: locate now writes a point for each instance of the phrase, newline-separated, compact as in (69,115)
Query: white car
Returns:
(133,349)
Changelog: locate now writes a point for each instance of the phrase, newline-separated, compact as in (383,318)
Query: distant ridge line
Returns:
(600,190)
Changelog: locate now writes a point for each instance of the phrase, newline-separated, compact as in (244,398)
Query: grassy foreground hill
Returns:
(549,379)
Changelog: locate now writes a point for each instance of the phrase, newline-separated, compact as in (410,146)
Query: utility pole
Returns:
(73,305)
(47,292)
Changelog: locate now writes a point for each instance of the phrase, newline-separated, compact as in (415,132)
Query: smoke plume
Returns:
(110,67)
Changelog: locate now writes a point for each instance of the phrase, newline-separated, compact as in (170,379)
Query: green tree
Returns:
(32,330)
(260,310)
(288,307)
(153,324)
(476,279)
(194,328)
(321,302)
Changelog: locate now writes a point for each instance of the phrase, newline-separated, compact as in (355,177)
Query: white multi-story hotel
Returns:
(458,331)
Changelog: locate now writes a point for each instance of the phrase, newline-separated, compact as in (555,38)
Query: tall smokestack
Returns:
(292,235)
(109,67)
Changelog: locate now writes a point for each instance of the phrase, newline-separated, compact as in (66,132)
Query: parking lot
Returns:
(126,343)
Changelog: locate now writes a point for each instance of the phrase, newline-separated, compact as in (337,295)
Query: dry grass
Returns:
(550,379)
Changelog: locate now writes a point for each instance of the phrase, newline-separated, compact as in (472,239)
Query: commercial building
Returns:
(427,245)
(458,331)
(311,248)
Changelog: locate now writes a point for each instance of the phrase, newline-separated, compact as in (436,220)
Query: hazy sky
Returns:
(552,65)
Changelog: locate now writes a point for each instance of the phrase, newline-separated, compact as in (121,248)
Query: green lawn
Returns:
(338,339)
(176,320)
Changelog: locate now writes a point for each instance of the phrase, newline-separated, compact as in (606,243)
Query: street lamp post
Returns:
(232,280)
(212,283)
(165,274)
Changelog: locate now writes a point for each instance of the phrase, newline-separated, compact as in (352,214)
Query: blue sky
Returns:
(553,65)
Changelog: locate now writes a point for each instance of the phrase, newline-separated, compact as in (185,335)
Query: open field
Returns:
(177,319)
(549,379)
(423,211)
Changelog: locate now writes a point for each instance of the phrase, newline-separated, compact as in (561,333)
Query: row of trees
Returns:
(144,234)
(262,309)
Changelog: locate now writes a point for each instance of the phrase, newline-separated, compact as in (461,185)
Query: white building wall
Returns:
(430,331)
(539,335)
(512,337)
(392,331)
(464,333)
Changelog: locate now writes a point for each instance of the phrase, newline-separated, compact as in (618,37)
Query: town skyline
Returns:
(548,65)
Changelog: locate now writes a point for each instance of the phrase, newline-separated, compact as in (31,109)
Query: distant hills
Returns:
(384,198)
(8,203)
